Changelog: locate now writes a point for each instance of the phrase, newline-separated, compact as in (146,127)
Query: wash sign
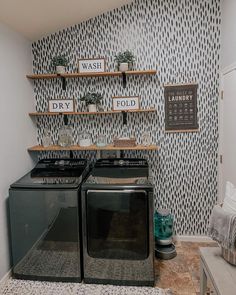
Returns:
(92,65)
(125,103)
(61,106)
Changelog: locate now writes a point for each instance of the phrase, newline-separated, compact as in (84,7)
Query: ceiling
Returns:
(35,19)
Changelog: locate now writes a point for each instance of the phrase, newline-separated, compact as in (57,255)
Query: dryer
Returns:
(117,226)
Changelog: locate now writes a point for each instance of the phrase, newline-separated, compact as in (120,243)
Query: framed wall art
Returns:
(125,103)
(61,105)
(181,107)
(92,65)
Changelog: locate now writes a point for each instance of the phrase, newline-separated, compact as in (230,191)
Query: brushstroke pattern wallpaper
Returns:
(181,40)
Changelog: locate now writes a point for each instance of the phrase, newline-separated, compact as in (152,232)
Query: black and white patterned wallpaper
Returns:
(179,38)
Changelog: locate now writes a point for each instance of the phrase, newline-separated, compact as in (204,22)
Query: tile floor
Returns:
(181,273)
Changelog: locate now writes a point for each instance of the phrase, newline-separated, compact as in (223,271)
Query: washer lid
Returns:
(59,168)
(54,173)
(27,181)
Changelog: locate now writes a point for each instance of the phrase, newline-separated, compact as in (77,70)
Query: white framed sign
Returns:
(125,103)
(92,65)
(61,105)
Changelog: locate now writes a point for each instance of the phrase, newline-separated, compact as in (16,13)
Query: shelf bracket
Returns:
(124,114)
(63,81)
(124,79)
(65,119)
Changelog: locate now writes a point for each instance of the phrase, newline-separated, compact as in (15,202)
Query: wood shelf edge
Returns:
(42,76)
(91,113)
(183,131)
(39,148)
(101,74)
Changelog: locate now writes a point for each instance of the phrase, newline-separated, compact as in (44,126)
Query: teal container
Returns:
(163,224)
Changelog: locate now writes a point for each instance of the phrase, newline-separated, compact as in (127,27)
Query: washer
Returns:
(45,225)
(117,211)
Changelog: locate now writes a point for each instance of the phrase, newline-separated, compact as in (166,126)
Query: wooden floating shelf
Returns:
(78,75)
(91,113)
(43,76)
(182,130)
(40,148)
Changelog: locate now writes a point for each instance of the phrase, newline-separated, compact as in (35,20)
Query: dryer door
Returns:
(117,224)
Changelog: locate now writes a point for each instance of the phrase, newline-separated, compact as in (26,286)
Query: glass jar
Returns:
(146,138)
(65,136)
(46,140)
(125,132)
(101,141)
(163,222)
(85,139)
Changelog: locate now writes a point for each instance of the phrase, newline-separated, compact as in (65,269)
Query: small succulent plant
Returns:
(92,98)
(125,57)
(60,60)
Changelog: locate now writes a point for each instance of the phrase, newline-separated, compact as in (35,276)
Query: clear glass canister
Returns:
(46,140)
(101,141)
(85,139)
(146,138)
(65,136)
(163,224)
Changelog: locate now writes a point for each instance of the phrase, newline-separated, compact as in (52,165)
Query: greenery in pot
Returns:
(125,57)
(92,98)
(60,60)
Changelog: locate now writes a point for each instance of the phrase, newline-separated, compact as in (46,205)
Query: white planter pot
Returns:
(92,108)
(124,66)
(60,69)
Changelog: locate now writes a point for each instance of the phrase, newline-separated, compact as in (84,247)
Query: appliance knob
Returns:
(61,163)
(121,162)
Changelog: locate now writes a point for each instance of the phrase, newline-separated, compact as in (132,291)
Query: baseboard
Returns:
(192,238)
(5,278)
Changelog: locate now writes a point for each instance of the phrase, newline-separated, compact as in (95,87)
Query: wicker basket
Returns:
(124,142)
(228,255)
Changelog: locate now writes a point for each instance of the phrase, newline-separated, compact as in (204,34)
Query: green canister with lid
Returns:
(163,226)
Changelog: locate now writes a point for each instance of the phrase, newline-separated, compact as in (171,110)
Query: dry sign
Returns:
(92,65)
(61,105)
(125,103)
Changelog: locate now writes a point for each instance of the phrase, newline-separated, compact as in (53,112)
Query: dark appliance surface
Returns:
(117,214)
(44,217)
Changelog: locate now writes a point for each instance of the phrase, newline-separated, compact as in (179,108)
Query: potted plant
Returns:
(92,99)
(124,60)
(60,62)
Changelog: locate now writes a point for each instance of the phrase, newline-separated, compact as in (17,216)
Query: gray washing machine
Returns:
(45,223)
(117,223)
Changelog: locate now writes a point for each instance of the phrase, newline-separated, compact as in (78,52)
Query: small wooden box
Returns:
(119,142)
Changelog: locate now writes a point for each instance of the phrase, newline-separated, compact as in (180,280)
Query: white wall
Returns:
(17,131)
(227,105)
(228,49)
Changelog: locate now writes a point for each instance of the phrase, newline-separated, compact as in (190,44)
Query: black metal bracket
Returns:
(63,81)
(124,79)
(124,114)
(65,119)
